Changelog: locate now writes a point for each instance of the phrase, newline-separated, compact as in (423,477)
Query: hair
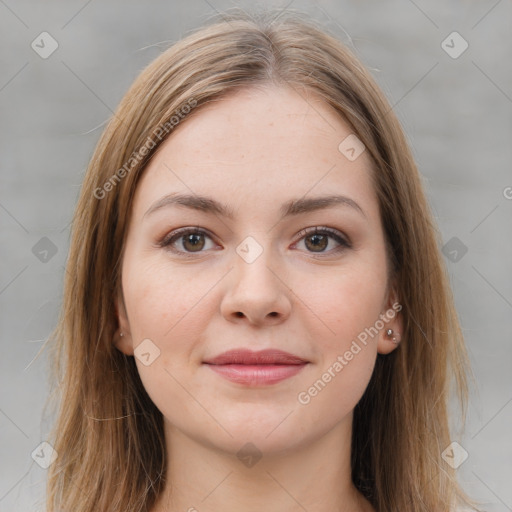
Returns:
(108,434)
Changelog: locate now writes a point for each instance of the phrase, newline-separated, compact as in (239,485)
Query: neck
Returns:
(313,476)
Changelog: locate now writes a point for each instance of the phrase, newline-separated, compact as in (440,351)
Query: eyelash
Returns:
(169,239)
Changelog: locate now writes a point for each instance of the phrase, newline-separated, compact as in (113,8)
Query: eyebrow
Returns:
(288,209)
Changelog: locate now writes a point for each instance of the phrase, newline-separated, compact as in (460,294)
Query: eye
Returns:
(188,240)
(317,240)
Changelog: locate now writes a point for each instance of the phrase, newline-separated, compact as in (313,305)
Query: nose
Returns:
(256,293)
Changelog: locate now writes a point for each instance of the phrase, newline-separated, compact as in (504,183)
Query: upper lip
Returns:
(245,356)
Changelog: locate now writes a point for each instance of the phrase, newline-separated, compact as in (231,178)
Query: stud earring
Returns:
(121,334)
(395,337)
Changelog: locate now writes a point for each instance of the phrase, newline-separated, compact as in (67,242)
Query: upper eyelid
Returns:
(322,229)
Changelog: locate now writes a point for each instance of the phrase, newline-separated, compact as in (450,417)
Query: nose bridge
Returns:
(255,291)
(253,261)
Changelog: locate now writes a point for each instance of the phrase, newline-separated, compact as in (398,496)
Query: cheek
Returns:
(345,356)
(167,308)
(162,303)
(346,301)
(172,309)
(346,304)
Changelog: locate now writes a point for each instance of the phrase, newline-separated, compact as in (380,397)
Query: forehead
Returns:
(258,146)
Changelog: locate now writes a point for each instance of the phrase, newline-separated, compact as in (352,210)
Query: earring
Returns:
(395,337)
(121,334)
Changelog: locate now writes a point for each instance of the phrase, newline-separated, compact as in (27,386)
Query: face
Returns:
(267,269)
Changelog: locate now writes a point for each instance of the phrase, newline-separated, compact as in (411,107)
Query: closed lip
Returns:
(262,357)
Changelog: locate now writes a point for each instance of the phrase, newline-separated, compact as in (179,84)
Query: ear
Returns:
(392,319)
(123,343)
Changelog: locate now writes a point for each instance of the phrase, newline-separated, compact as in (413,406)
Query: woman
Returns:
(256,314)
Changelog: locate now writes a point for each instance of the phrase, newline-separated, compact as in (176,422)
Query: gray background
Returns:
(456,113)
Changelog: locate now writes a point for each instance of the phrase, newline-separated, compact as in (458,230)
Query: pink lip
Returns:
(256,368)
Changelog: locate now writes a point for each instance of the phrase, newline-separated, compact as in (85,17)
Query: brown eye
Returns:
(317,240)
(193,242)
(186,241)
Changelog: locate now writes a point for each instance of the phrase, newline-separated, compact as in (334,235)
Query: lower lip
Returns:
(256,375)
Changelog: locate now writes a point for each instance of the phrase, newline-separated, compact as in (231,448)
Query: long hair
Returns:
(108,434)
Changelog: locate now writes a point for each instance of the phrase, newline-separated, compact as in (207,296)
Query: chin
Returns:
(273,434)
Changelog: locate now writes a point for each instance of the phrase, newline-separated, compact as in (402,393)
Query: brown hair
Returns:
(108,434)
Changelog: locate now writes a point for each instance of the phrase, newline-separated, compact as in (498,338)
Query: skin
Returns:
(253,151)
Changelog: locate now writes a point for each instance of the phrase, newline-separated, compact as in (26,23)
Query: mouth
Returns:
(262,368)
